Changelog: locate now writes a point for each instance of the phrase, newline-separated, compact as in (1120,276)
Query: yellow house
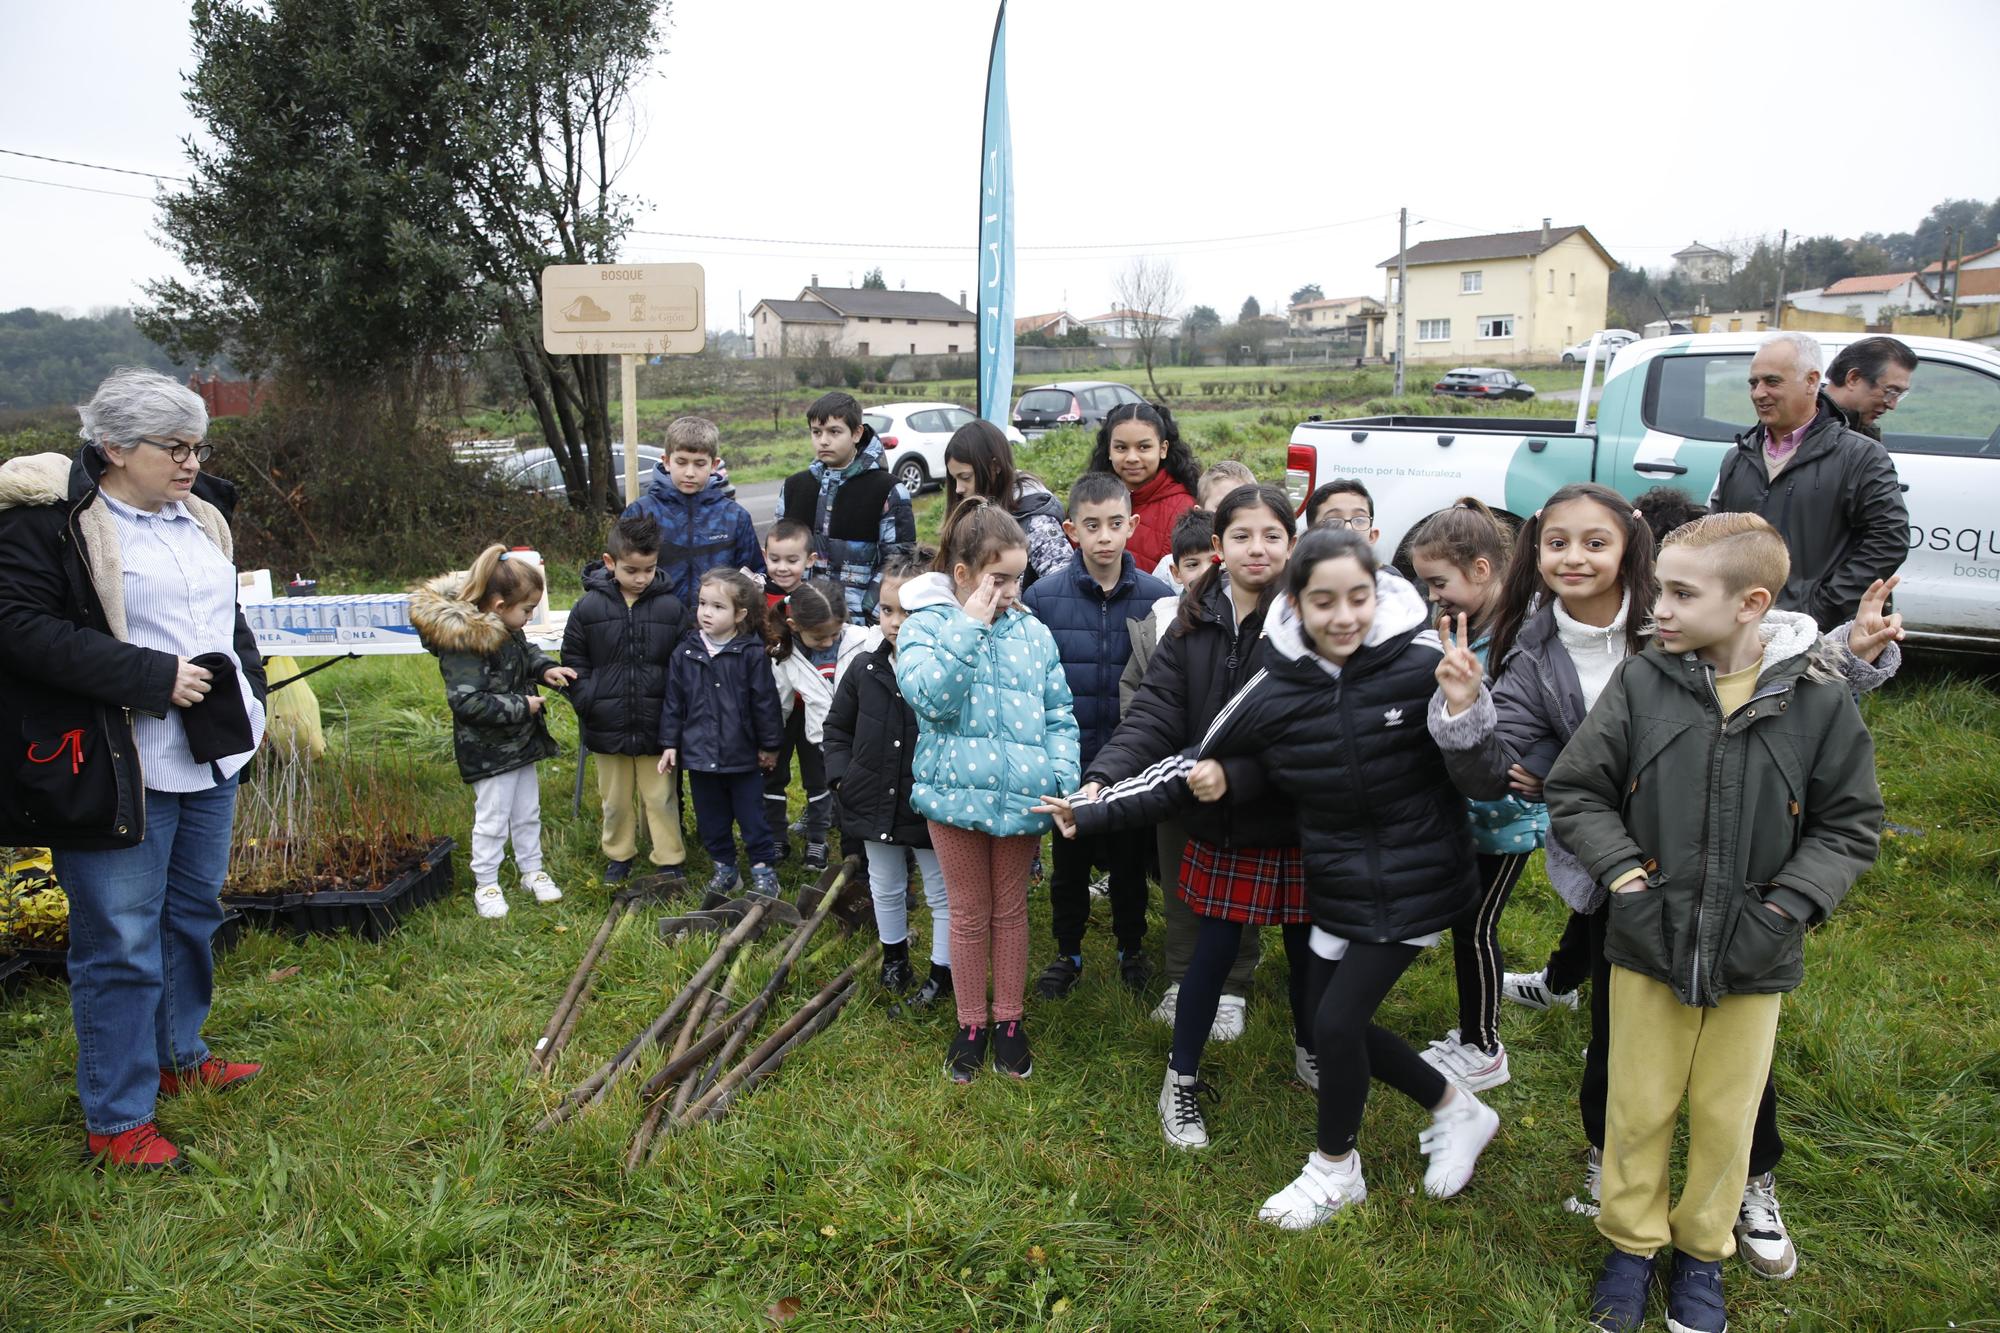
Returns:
(1517,296)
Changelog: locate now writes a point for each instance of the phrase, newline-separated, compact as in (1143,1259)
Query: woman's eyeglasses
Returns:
(180,450)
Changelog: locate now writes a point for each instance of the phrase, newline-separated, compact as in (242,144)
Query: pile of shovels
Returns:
(706,1068)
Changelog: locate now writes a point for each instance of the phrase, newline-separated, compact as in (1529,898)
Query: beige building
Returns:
(864,321)
(1520,296)
(1330,315)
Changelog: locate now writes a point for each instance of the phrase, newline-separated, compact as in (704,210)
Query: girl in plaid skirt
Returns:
(1241,865)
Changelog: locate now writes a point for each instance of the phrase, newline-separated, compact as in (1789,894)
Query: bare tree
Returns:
(1148,293)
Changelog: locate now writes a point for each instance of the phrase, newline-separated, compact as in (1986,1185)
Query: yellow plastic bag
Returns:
(291,715)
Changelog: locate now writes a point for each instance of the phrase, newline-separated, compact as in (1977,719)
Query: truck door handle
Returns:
(1537,446)
(1670,469)
(1444,441)
(1904,487)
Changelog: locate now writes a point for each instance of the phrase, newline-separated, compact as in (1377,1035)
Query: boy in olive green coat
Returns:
(1723,788)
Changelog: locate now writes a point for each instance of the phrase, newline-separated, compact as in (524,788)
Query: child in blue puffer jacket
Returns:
(721,726)
(1460,556)
(995,730)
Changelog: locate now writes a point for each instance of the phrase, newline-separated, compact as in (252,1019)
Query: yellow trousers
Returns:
(627,784)
(1661,1051)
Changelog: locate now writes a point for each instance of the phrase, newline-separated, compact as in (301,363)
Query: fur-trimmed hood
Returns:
(1787,636)
(34,479)
(448,623)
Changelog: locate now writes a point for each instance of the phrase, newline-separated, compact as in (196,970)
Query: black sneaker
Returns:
(967,1054)
(1618,1301)
(616,871)
(1694,1295)
(896,974)
(1133,969)
(937,986)
(1010,1049)
(1059,978)
(815,856)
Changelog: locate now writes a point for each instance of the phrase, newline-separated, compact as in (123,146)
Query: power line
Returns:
(30,180)
(869,247)
(94,166)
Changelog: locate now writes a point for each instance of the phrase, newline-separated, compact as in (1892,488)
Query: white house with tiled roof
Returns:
(864,321)
(1864,296)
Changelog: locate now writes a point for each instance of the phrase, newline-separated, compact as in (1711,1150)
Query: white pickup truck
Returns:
(1671,408)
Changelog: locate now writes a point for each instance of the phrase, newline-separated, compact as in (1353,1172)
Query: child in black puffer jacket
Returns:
(1337,719)
(619,640)
(871,741)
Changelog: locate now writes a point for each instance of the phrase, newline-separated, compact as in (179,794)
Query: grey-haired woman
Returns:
(131,696)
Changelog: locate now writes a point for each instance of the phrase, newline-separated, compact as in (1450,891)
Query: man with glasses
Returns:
(1831,492)
(1867,379)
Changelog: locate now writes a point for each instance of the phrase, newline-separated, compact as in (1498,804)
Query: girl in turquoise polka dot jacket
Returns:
(994,731)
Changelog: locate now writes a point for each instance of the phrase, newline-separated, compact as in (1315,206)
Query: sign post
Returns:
(629,311)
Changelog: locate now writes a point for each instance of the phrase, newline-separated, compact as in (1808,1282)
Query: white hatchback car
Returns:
(914,435)
(1611,340)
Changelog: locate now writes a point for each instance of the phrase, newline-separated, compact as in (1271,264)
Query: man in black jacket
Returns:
(1867,380)
(1831,492)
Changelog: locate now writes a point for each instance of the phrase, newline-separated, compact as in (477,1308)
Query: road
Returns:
(1569,395)
(760,498)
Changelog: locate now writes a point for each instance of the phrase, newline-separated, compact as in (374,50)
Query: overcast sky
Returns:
(825,136)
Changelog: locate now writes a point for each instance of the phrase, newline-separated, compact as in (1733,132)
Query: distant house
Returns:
(1330,315)
(1864,297)
(1512,296)
(1128,324)
(228,398)
(1703,265)
(1975,279)
(1057,324)
(864,321)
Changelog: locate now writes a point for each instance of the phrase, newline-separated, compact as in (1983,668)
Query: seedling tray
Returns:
(372,915)
(54,963)
(14,974)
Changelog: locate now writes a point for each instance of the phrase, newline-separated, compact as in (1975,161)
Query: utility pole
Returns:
(1778,301)
(1402,287)
(1951,276)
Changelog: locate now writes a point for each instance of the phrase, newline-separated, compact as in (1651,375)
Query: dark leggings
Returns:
(1765,1145)
(1569,962)
(1216,943)
(1475,950)
(1352,1048)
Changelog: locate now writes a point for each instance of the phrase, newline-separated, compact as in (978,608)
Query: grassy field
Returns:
(379,1175)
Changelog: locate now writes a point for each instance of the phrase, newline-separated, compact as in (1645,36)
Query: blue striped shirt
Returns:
(180,598)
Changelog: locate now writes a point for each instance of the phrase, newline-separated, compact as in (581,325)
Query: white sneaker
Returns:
(1180,1110)
(1531,989)
(1585,1204)
(1101,887)
(542,887)
(1169,1005)
(1456,1137)
(1321,1190)
(1761,1237)
(1228,1024)
(492,903)
(1306,1065)
(1467,1065)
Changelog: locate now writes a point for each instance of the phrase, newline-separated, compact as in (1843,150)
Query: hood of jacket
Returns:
(1851,420)
(1793,647)
(932,589)
(661,487)
(35,479)
(1398,610)
(1823,432)
(1034,500)
(449,623)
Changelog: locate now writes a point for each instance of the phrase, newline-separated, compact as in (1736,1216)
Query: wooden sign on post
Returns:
(628,311)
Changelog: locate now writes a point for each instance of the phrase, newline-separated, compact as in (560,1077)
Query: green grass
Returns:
(379,1175)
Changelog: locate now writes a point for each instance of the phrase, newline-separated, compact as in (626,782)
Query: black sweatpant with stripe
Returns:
(1475,949)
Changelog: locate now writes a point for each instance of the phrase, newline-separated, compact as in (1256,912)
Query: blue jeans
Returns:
(140,973)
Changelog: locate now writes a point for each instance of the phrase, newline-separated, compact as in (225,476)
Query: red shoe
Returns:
(142,1148)
(217,1075)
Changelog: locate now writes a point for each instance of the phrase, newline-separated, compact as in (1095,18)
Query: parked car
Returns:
(537,470)
(1483,382)
(1070,403)
(1608,342)
(914,435)
(1672,407)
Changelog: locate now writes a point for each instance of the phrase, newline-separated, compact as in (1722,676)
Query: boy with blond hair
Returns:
(1723,789)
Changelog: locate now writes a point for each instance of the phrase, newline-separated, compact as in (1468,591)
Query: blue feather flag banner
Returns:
(996,241)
